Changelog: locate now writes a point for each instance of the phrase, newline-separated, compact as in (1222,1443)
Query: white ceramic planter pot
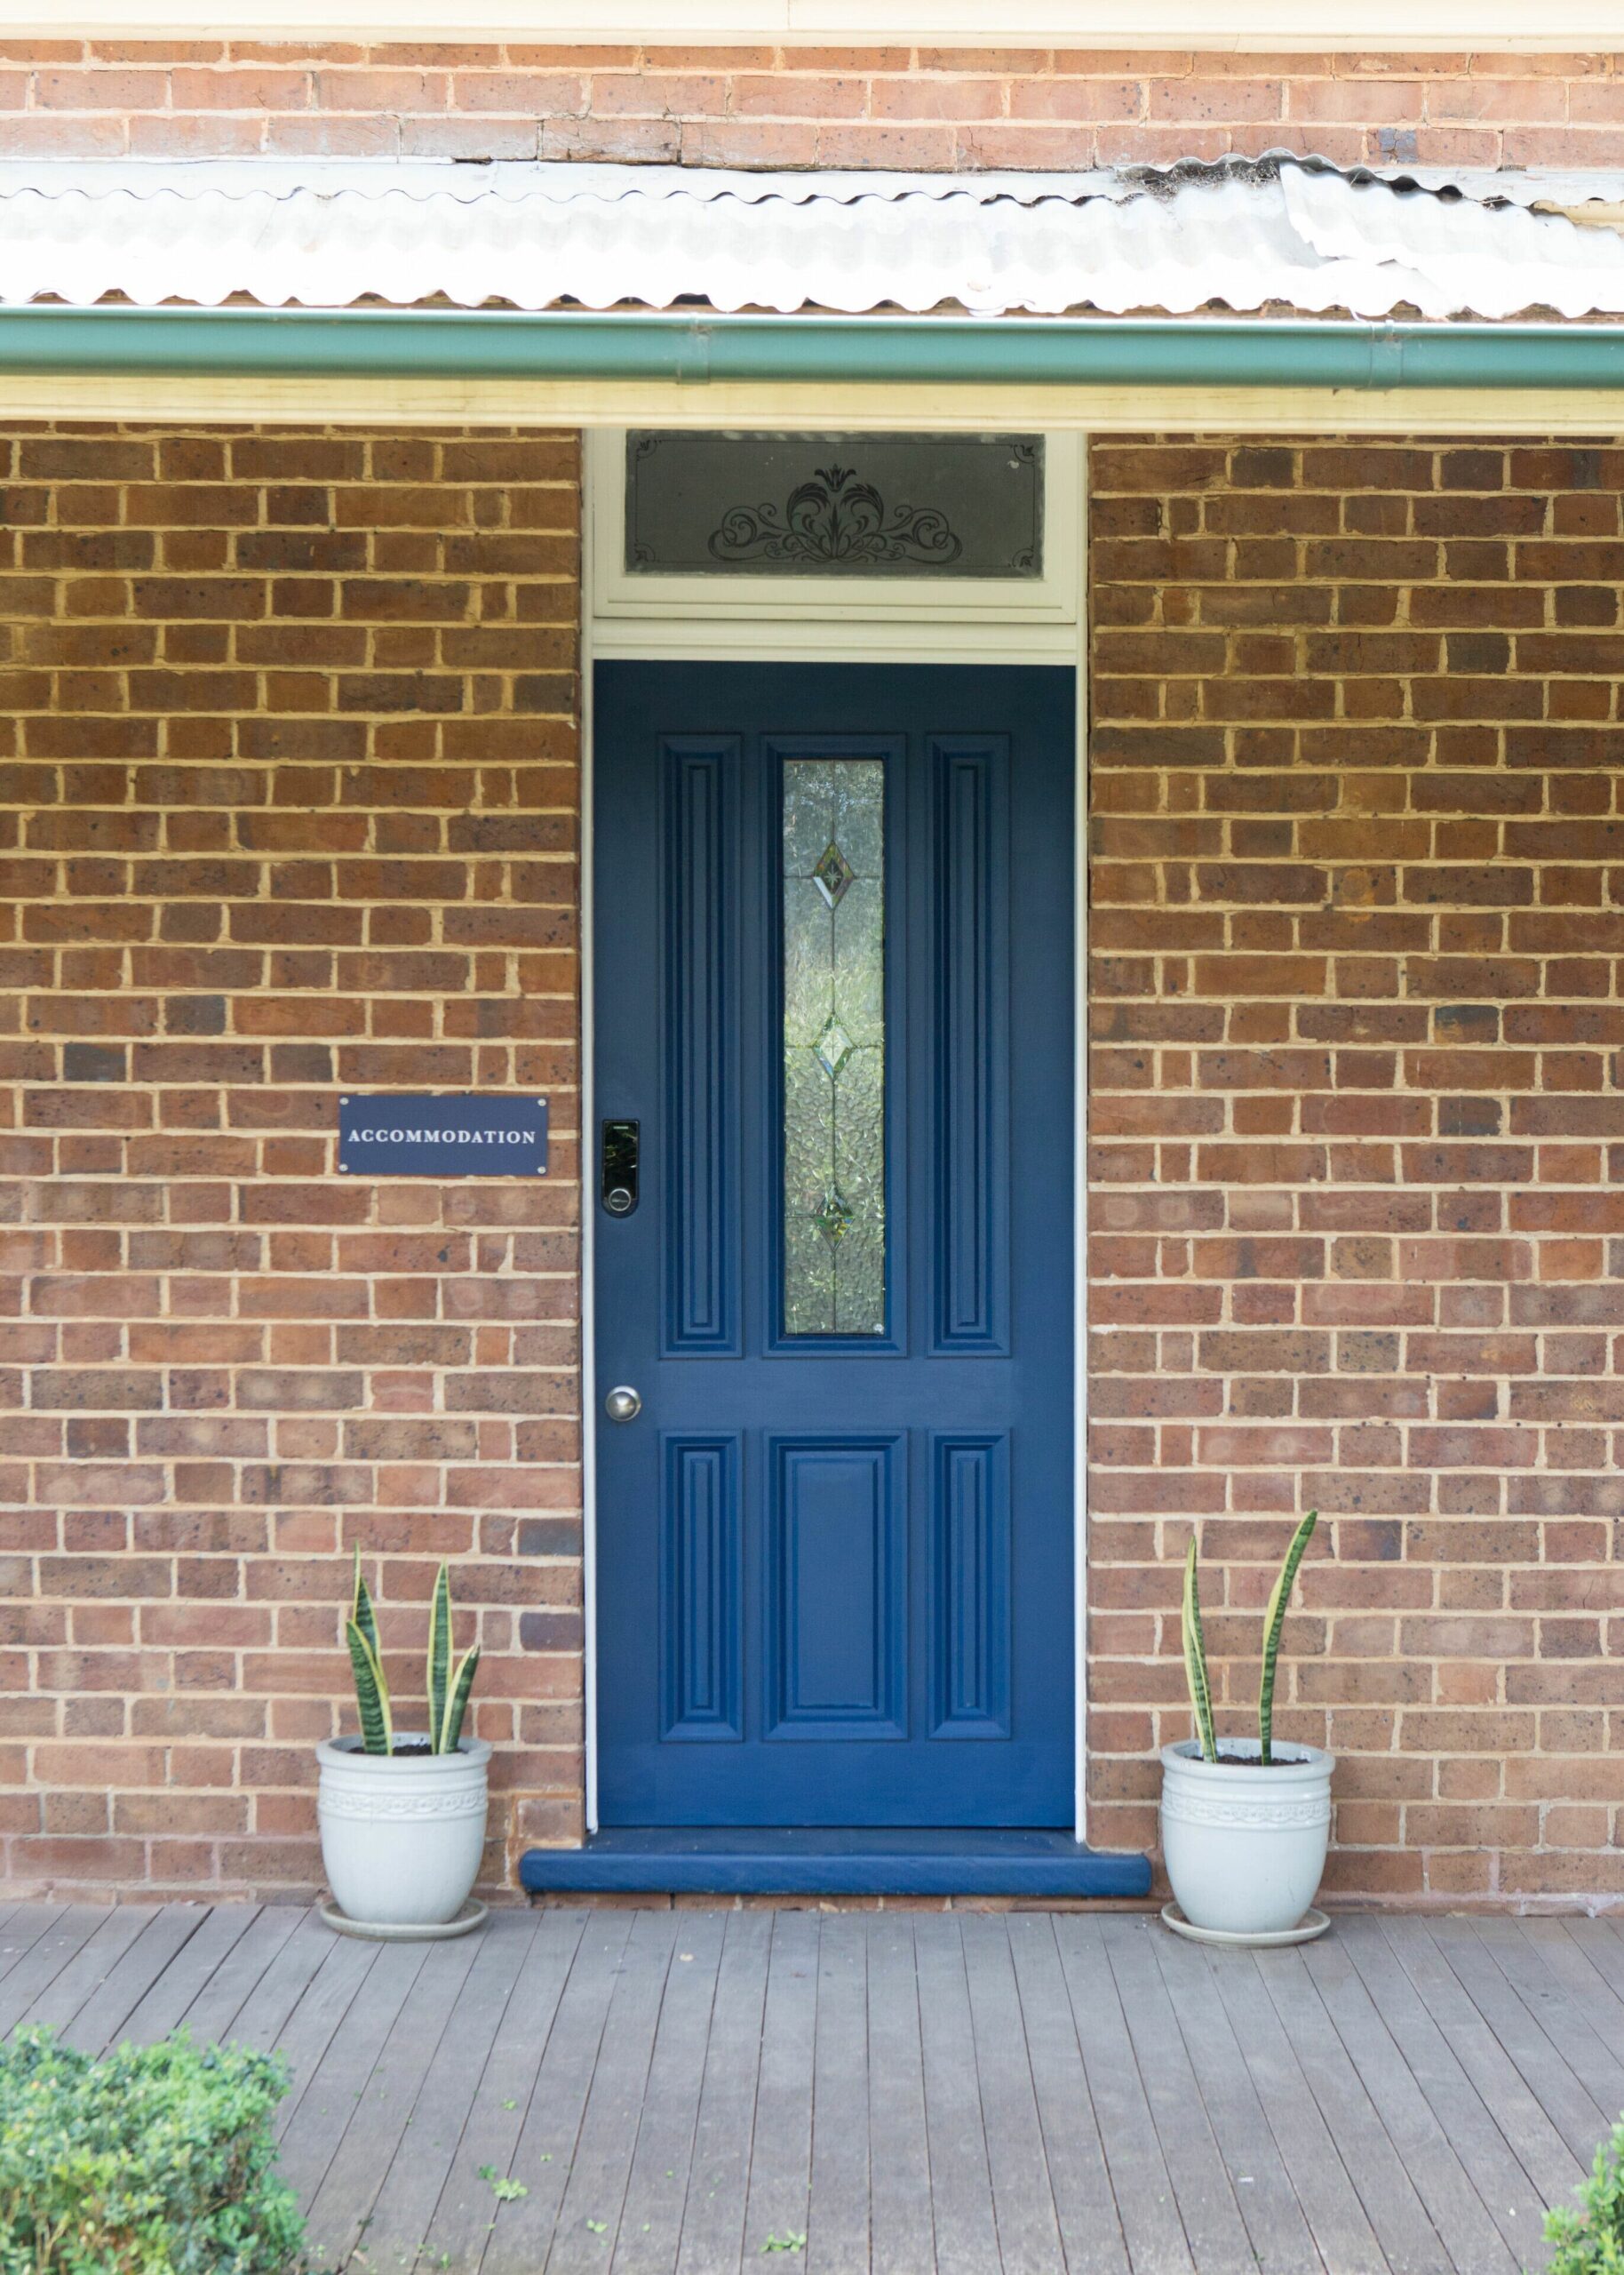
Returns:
(401,1834)
(1245,1849)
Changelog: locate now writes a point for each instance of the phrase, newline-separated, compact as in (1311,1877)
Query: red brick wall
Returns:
(803,106)
(1359,1125)
(289,800)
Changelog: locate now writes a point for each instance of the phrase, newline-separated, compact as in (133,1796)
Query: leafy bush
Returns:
(1591,2240)
(154,2160)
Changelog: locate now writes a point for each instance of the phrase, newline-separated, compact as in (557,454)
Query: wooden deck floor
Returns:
(686,2092)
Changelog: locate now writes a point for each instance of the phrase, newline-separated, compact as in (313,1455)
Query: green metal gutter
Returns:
(468,344)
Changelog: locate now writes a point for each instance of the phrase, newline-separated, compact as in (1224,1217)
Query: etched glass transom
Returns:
(709,504)
(834,1153)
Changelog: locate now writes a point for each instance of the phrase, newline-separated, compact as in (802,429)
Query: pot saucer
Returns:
(471,1915)
(1312,1923)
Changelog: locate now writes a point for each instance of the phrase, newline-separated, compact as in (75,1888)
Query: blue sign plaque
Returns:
(483,1133)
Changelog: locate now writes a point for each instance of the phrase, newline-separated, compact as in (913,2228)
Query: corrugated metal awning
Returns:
(1279,233)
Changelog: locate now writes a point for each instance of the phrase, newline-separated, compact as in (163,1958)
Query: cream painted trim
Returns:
(1079,1181)
(759,638)
(397,402)
(587,1149)
(764,640)
(1273,25)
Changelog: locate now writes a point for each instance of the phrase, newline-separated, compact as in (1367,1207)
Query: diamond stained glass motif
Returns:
(834,1218)
(833,1048)
(834,1165)
(832,875)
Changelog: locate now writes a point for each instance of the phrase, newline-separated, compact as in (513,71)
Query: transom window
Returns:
(963,507)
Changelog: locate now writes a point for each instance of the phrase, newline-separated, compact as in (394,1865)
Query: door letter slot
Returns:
(620,1168)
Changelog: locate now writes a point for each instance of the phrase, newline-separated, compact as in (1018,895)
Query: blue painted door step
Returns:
(831,1860)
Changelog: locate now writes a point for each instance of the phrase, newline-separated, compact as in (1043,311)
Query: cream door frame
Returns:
(903,627)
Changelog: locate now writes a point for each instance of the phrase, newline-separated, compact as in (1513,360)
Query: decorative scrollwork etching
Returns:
(836,521)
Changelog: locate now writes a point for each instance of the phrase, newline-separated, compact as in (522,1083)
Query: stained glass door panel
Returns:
(834,1046)
(834,991)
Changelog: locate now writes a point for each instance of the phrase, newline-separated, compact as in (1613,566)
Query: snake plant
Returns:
(447,1689)
(1195,1659)
(367,1666)
(1195,1646)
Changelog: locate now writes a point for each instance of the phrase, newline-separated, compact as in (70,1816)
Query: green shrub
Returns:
(154,2160)
(1591,2240)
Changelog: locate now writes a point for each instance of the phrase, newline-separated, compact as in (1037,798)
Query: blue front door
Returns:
(834,992)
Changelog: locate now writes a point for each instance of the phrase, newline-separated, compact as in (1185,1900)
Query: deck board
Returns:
(693,2091)
(1423,2146)
(522,2232)
(1602,1945)
(1391,2203)
(1207,2198)
(342,2207)
(1331,2203)
(1268,2202)
(1565,1959)
(713,2238)
(961,2172)
(206,1957)
(781,2152)
(901,2223)
(409,2190)
(161,1945)
(1023,2197)
(212,2009)
(1578,2031)
(838,2224)
(1498,2175)
(316,2017)
(1538,2105)
(24,1924)
(651,2217)
(495,2123)
(316,2132)
(1079,2184)
(25,1983)
(1147,2205)
(91,1967)
(595,2198)
(266,2008)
